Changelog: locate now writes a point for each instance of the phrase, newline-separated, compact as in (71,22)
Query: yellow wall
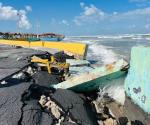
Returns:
(75,48)
(22,43)
(17,43)
(36,44)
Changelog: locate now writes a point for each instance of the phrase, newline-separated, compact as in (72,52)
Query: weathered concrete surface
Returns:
(135,114)
(44,79)
(11,104)
(72,105)
(79,111)
(137,83)
(34,115)
(68,123)
(19,106)
(19,99)
(129,113)
(13,59)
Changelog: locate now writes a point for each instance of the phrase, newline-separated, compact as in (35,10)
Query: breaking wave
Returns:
(105,55)
(114,89)
(102,53)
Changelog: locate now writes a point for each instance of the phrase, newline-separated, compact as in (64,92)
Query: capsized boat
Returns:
(77,62)
(96,78)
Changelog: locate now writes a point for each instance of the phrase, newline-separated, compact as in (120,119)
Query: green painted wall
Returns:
(137,83)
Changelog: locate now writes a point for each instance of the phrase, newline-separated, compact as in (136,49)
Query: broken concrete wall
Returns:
(137,83)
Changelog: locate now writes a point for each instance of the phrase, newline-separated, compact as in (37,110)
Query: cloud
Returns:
(97,20)
(136,15)
(91,10)
(28,8)
(23,20)
(140,3)
(115,13)
(82,4)
(8,13)
(65,22)
(90,14)
(59,22)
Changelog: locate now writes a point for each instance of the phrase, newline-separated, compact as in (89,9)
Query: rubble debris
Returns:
(61,56)
(45,79)
(11,104)
(50,64)
(44,55)
(110,121)
(79,111)
(68,111)
(17,109)
(50,105)
(98,106)
(3,82)
(20,97)
(104,114)
(135,114)
(19,75)
(30,71)
(35,91)
(68,123)
(100,122)
(16,79)
(34,115)
(136,122)
(43,100)
(123,120)
(9,64)
(26,99)
(60,121)
(22,76)
(55,110)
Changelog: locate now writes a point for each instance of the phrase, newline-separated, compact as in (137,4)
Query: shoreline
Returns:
(20,86)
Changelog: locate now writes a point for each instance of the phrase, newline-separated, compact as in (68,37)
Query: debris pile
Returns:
(27,99)
(61,56)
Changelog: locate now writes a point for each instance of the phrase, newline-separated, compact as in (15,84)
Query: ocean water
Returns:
(107,49)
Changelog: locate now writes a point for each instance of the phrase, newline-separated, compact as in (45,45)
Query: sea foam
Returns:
(102,53)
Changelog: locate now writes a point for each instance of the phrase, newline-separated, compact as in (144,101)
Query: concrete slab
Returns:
(76,62)
(13,59)
(135,113)
(137,81)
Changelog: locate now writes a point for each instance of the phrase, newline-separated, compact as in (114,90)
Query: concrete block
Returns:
(137,83)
